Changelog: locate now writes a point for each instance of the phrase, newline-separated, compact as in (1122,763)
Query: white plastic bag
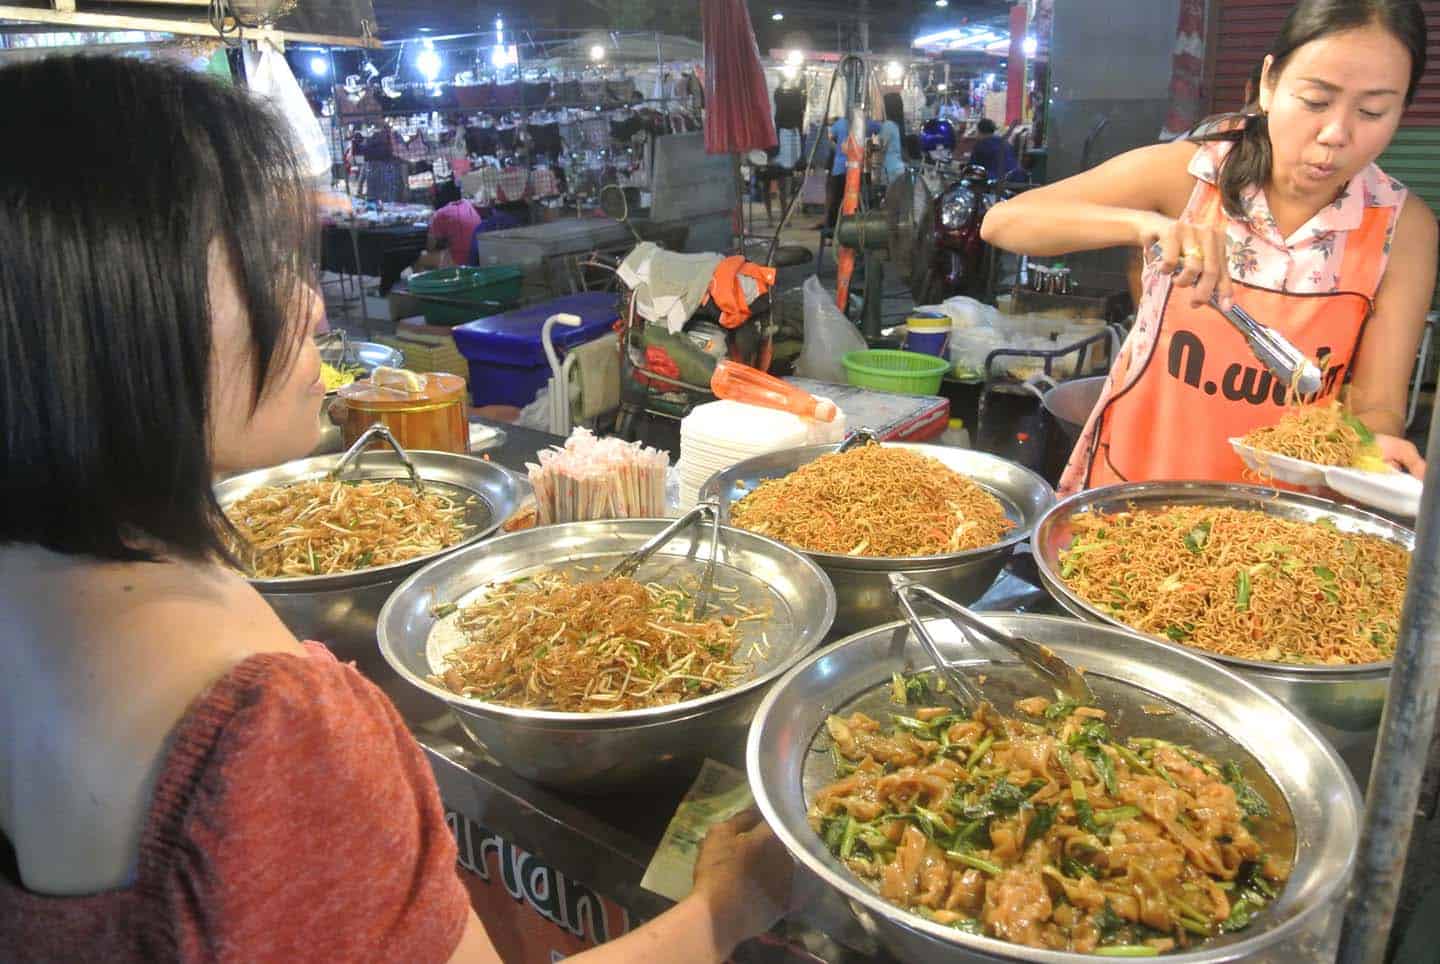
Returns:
(828,336)
(270,79)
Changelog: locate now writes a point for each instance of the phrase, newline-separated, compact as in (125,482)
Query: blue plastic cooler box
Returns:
(507,360)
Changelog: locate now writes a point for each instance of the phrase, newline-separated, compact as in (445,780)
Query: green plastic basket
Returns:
(453,296)
(905,372)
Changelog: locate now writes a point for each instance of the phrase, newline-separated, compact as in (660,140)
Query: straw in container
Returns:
(598,478)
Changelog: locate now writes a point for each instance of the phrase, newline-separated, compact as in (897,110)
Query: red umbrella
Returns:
(738,117)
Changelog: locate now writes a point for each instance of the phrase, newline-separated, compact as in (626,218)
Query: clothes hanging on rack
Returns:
(789,108)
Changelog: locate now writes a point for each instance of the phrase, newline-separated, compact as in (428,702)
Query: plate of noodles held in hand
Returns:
(875,501)
(1322,445)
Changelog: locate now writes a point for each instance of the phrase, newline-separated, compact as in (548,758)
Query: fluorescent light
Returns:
(429,63)
(777,15)
(319,66)
(502,55)
(939,37)
(942,3)
(894,72)
(795,58)
(1030,45)
(942,87)
(597,53)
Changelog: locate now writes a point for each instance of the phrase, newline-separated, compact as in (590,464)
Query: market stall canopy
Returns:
(738,116)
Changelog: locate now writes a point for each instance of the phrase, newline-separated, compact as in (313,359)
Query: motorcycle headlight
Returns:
(956,208)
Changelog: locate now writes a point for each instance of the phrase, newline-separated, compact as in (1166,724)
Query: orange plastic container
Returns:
(425,412)
(741,383)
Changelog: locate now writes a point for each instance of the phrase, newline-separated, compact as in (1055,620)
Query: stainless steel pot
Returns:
(1214,710)
(1068,406)
(341,610)
(1343,702)
(598,752)
(862,585)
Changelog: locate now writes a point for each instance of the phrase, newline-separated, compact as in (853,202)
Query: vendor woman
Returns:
(1282,211)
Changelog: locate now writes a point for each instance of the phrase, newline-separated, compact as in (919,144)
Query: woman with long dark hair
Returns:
(180,778)
(1281,210)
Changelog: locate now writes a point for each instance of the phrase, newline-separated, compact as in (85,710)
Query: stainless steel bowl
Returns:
(368,355)
(341,610)
(1214,710)
(598,752)
(1343,702)
(862,585)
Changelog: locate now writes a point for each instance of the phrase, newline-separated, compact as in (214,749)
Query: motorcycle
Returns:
(951,258)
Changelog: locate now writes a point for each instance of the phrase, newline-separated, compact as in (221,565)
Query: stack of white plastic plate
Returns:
(719,434)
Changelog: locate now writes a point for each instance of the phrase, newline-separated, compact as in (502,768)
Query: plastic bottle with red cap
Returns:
(741,383)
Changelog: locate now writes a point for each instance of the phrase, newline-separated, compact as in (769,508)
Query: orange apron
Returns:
(1201,385)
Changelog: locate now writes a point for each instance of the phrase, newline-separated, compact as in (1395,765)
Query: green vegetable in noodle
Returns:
(968,925)
(1075,869)
(909,689)
(1248,798)
(1178,633)
(1039,824)
(1105,768)
(1367,437)
(980,751)
(970,860)
(1060,709)
(1197,537)
(843,767)
(1105,818)
(1242,591)
(1107,922)
(443,610)
(1091,733)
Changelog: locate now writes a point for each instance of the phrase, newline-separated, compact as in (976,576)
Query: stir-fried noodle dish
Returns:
(874,501)
(1053,834)
(1321,433)
(321,527)
(553,642)
(1242,583)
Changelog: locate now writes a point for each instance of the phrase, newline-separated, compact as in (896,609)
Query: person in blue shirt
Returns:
(892,138)
(993,152)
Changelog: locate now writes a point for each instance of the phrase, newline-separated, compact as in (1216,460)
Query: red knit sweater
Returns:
(294,819)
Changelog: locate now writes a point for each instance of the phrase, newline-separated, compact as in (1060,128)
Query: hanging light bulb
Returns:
(429,62)
(319,66)
(1030,46)
(597,53)
(942,3)
(777,15)
(894,72)
(795,58)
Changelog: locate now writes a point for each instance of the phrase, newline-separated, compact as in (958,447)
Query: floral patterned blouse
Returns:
(1307,262)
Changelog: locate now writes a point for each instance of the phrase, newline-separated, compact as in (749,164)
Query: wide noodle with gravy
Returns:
(1050,832)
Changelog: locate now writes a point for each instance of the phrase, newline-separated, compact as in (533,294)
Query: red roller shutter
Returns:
(1240,35)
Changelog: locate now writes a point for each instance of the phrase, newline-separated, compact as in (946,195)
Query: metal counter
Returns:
(607,842)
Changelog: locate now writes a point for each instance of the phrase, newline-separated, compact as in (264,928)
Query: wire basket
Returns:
(905,372)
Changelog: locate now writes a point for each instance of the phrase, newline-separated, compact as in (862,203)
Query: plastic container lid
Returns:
(398,390)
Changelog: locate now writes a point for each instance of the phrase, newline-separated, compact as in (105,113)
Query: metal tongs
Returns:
(631,564)
(381,431)
(1291,365)
(854,440)
(1066,680)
